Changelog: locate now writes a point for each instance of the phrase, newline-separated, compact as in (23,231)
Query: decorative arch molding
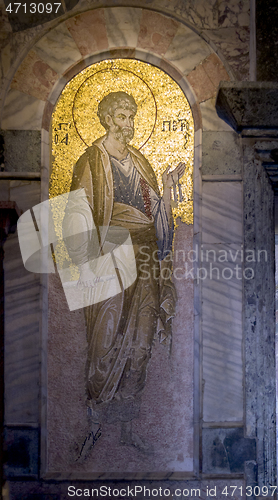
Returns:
(113,32)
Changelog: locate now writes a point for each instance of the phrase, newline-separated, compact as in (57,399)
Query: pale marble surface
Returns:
(187,50)
(222,154)
(222,300)
(34,77)
(210,118)
(123,25)
(188,91)
(233,13)
(222,212)
(156,32)
(222,334)
(13,44)
(22,112)
(205,78)
(58,49)
(147,57)
(57,89)
(89,31)
(234,45)
(22,322)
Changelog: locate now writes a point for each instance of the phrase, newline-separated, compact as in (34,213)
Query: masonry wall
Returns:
(233,207)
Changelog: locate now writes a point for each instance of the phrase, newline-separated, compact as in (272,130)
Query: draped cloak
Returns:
(121,329)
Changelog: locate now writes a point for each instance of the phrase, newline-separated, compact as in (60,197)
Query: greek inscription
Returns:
(179,125)
(60,136)
(164,125)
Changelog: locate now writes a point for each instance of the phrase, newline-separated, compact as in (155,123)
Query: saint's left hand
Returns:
(170,179)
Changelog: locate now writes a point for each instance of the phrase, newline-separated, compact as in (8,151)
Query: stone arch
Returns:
(114,32)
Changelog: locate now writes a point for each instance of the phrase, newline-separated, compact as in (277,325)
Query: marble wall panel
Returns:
(234,45)
(222,212)
(22,150)
(222,300)
(201,84)
(34,77)
(22,112)
(210,118)
(199,13)
(58,49)
(206,76)
(232,14)
(22,322)
(187,49)
(12,44)
(221,153)
(89,31)
(215,70)
(222,334)
(156,32)
(123,25)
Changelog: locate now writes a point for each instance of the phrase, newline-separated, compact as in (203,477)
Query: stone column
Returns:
(9,214)
(251,108)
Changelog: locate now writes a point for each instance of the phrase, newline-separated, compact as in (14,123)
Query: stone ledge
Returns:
(248,104)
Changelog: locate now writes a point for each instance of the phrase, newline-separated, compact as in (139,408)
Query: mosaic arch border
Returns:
(199,83)
(45,170)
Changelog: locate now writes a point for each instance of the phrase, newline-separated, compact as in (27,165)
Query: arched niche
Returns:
(42,75)
(171,392)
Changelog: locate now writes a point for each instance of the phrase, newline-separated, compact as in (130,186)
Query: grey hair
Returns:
(111,102)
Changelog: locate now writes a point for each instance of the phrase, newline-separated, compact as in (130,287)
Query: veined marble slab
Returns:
(205,78)
(187,50)
(221,153)
(123,25)
(222,333)
(234,13)
(34,77)
(222,300)
(58,49)
(22,112)
(89,31)
(233,42)
(156,32)
(222,212)
(22,322)
(211,120)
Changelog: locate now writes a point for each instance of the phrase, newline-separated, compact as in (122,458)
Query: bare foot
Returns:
(130,438)
(88,443)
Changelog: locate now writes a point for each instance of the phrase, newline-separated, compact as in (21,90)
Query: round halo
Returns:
(100,84)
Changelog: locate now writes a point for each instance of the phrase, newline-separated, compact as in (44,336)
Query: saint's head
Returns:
(116,113)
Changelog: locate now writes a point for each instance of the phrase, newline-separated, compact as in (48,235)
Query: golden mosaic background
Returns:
(164,129)
(75,124)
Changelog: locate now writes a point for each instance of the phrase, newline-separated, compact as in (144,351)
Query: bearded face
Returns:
(121,125)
